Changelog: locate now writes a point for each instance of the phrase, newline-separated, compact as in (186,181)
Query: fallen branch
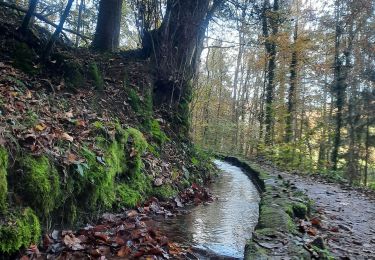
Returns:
(43,19)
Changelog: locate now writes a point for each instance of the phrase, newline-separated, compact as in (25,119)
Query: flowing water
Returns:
(222,227)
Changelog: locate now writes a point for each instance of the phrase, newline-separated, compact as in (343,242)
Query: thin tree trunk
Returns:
(29,14)
(292,90)
(79,21)
(367,152)
(58,30)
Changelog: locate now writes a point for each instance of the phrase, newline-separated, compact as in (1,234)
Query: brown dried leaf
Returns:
(124,251)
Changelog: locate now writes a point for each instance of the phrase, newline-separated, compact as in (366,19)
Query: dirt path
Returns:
(347,217)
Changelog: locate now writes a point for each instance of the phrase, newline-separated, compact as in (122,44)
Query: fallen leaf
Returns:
(67,137)
(316,222)
(312,231)
(40,127)
(124,251)
(101,236)
(69,114)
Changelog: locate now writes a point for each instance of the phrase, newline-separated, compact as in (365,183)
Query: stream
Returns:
(219,229)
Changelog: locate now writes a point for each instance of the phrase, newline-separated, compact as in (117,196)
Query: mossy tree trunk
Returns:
(270,21)
(107,34)
(175,48)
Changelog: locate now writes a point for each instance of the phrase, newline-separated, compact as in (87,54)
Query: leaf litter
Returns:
(128,235)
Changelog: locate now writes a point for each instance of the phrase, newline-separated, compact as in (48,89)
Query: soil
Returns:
(346,216)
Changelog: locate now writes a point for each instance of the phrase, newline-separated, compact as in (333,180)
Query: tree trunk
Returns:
(79,21)
(107,34)
(175,49)
(367,152)
(58,30)
(29,14)
(292,89)
(271,51)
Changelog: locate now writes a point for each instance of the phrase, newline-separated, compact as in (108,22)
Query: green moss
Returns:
(98,125)
(134,190)
(253,251)
(31,119)
(19,230)
(163,192)
(159,136)
(268,232)
(23,58)
(288,208)
(275,217)
(96,76)
(128,197)
(139,146)
(40,184)
(194,161)
(300,210)
(116,174)
(134,100)
(98,178)
(3,179)
(73,74)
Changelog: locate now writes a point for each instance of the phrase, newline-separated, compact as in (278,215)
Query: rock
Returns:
(158,182)
(346,228)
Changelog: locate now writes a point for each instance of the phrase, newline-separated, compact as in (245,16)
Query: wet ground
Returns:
(219,229)
(347,217)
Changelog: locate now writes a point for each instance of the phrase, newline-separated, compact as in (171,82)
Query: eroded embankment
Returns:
(283,207)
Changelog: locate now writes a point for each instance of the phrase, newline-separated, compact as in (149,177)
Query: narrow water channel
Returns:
(222,227)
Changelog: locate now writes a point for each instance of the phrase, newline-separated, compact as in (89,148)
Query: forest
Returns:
(187,129)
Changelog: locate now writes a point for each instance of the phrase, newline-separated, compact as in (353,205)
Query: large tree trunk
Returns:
(271,50)
(175,49)
(107,34)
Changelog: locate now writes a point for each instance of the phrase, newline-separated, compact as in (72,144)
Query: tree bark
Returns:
(107,34)
(58,30)
(271,50)
(79,21)
(29,14)
(292,89)
(175,49)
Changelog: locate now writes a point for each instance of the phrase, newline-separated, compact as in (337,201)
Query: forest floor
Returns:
(345,216)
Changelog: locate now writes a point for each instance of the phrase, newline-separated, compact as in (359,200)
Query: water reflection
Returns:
(224,225)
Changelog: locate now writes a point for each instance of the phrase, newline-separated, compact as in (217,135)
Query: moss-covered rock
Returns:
(300,210)
(3,179)
(40,184)
(19,229)
(275,217)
